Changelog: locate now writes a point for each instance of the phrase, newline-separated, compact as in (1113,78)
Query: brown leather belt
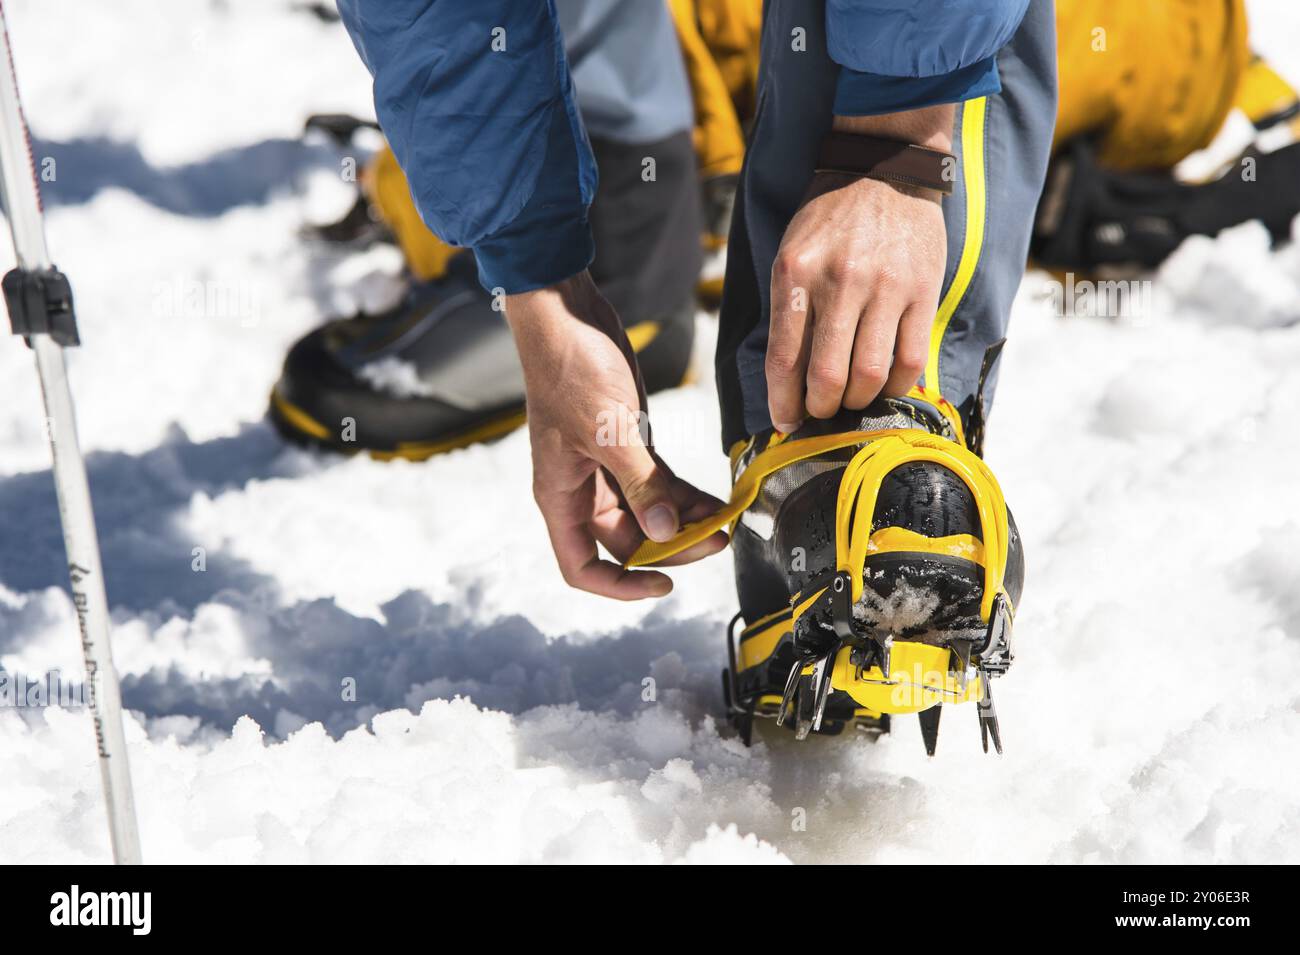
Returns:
(888,160)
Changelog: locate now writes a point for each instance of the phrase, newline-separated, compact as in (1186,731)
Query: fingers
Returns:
(853,361)
(832,354)
(839,351)
(607,579)
(788,343)
(618,531)
(574,544)
(621,534)
(692,503)
(577,517)
(647,488)
(854,287)
(576,521)
(705,548)
(873,351)
(911,349)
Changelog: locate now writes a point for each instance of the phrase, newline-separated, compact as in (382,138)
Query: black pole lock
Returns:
(40,303)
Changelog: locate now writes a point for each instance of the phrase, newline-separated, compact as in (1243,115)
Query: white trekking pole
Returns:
(40,309)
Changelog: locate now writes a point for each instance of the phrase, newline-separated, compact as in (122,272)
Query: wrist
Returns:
(565,298)
(562,311)
(905,150)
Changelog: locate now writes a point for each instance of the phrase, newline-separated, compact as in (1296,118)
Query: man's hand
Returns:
(594,477)
(855,284)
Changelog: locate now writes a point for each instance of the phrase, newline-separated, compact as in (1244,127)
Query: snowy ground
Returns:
(1152,715)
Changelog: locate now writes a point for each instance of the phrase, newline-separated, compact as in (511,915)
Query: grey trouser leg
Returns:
(627,68)
(1007,136)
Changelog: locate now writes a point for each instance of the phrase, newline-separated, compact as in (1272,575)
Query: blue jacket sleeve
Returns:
(476,100)
(906,54)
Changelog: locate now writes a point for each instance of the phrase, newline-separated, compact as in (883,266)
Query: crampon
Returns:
(900,564)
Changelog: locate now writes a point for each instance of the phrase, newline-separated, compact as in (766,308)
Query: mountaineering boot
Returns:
(437,372)
(877,568)
(440,371)
(363,224)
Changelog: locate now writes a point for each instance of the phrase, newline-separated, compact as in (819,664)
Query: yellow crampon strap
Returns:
(745,490)
(882,451)
(860,487)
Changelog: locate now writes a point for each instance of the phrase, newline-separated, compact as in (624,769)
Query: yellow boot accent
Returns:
(422,450)
(759,641)
(299,418)
(899,540)
(426,255)
(640,335)
(407,451)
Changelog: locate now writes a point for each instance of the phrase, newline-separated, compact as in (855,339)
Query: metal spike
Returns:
(996,654)
(821,680)
(988,718)
(930,727)
(801,729)
(804,707)
(963,650)
(791,684)
(746,728)
(885,645)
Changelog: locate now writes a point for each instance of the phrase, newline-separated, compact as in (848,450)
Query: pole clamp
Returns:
(40,303)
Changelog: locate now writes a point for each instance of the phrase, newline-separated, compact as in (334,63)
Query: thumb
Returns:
(646,487)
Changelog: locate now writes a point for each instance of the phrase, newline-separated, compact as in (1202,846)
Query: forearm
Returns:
(478,105)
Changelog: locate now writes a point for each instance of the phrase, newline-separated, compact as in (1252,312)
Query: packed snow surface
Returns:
(1153,713)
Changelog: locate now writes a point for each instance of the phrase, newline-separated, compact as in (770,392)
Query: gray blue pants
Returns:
(1002,145)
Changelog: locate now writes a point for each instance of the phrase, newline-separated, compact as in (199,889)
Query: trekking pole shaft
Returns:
(23,207)
(89,599)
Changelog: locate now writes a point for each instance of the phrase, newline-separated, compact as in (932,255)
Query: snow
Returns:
(496,716)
